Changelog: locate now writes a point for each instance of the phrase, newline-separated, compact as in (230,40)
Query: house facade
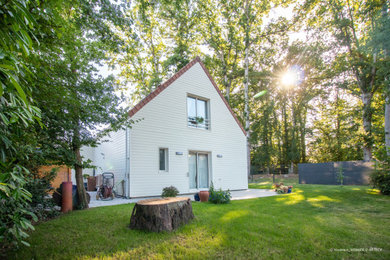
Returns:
(186,135)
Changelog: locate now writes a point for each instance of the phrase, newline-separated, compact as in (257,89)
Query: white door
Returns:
(198,164)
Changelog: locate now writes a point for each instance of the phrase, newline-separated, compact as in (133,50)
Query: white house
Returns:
(187,137)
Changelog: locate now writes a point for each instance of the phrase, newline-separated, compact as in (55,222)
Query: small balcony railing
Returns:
(199,122)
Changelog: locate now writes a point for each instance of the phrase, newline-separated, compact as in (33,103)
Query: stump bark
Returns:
(159,215)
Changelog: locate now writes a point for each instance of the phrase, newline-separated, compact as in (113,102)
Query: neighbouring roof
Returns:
(163,86)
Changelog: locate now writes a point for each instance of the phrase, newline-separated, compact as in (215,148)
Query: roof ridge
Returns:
(168,82)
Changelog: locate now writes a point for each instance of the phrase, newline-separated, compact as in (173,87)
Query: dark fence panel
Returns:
(354,172)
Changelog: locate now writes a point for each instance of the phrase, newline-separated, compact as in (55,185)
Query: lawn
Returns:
(316,221)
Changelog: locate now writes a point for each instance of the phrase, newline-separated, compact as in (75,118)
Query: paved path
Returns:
(236,195)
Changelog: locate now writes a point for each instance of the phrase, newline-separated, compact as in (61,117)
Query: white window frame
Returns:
(166,158)
(207,123)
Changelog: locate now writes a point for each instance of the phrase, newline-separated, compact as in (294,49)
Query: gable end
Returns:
(163,86)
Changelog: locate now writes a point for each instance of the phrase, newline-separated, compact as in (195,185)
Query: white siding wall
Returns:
(109,156)
(164,125)
(86,153)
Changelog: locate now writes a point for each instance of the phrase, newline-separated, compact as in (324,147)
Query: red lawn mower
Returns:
(105,191)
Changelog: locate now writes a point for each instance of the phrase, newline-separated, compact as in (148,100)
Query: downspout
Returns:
(127,173)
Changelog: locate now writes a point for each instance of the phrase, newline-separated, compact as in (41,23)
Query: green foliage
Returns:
(15,44)
(170,191)
(39,185)
(14,205)
(17,114)
(336,133)
(219,196)
(380,178)
(79,106)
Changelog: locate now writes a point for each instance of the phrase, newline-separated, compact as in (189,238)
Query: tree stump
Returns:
(159,215)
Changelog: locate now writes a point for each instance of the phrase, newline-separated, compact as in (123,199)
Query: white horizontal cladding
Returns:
(110,156)
(87,153)
(164,124)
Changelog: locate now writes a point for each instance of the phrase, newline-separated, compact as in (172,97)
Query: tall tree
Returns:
(224,39)
(349,21)
(380,38)
(250,21)
(79,107)
(181,18)
(143,52)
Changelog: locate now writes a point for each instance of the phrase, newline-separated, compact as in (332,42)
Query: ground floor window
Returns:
(163,159)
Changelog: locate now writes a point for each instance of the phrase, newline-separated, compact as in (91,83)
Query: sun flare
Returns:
(289,78)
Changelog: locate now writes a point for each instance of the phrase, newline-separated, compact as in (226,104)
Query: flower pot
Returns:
(67,198)
(204,195)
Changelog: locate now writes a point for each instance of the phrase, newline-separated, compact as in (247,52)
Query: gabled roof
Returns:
(163,86)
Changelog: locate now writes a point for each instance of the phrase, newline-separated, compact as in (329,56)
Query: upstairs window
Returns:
(163,158)
(198,114)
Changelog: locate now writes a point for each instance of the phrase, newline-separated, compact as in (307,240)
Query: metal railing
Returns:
(199,122)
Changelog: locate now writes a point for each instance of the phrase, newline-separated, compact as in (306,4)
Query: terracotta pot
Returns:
(67,202)
(204,195)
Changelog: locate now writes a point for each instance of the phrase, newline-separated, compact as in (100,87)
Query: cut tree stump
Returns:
(164,214)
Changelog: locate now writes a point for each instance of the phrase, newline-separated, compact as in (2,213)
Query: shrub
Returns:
(170,192)
(380,178)
(14,206)
(39,186)
(219,196)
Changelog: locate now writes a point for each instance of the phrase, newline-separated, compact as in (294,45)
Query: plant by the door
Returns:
(219,196)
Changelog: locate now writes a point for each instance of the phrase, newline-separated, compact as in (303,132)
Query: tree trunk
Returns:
(286,146)
(367,148)
(81,193)
(158,215)
(246,85)
(227,86)
(387,92)
(339,156)
(302,124)
(387,125)
(246,112)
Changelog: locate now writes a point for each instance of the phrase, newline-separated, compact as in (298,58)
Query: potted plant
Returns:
(282,189)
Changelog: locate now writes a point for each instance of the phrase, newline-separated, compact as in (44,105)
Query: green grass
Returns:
(267,182)
(306,224)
